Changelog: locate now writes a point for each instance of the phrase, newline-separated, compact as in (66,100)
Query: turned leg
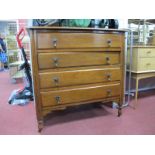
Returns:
(40,125)
(119,109)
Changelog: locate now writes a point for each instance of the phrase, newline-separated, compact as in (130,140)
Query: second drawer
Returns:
(74,59)
(146,64)
(77,77)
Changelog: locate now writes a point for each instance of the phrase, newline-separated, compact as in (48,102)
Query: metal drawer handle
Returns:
(148,64)
(148,52)
(57,99)
(109,42)
(55,61)
(54,42)
(107,60)
(56,80)
(109,92)
(108,75)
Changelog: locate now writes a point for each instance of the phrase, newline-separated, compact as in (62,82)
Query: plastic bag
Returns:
(3,57)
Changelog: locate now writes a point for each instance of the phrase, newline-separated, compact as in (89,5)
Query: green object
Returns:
(79,22)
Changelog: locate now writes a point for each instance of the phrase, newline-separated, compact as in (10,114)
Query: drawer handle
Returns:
(108,75)
(109,92)
(57,99)
(107,60)
(109,42)
(54,42)
(148,64)
(56,80)
(55,62)
(148,52)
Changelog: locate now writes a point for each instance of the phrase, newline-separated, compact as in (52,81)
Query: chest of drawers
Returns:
(143,59)
(73,66)
(142,65)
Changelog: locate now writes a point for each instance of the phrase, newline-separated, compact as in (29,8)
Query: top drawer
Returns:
(146,52)
(77,40)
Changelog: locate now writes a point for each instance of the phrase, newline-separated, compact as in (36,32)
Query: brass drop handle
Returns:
(108,75)
(57,99)
(55,61)
(109,42)
(107,60)
(109,92)
(56,80)
(54,42)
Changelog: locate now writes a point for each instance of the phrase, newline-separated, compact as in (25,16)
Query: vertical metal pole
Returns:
(130,58)
(139,34)
(125,66)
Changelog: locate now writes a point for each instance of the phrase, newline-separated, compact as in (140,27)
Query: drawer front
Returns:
(77,40)
(146,52)
(82,94)
(77,77)
(146,64)
(74,59)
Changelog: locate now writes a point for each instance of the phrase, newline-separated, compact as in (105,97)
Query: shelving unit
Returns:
(14,53)
(140,28)
(143,30)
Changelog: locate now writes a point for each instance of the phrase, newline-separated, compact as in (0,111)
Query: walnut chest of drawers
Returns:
(73,66)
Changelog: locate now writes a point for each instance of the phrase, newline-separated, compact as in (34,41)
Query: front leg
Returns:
(119,109)
(40,125)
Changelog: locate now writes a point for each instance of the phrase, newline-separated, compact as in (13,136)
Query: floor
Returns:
(94,119)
